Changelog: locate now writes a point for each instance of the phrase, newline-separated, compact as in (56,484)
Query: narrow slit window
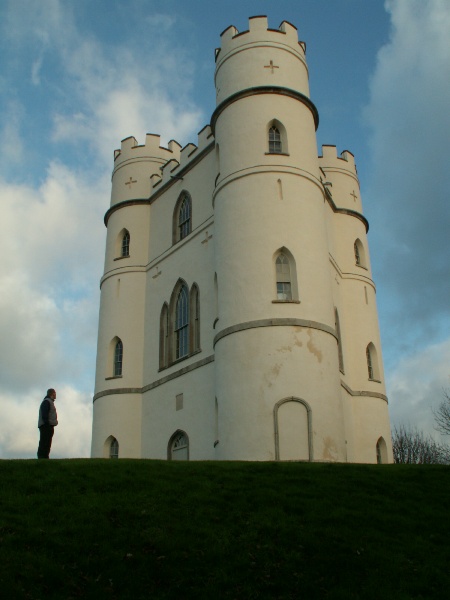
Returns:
(118,359)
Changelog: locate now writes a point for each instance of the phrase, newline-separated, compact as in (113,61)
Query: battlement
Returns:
(187,154)
(330,159)
(152,149)
(285,35)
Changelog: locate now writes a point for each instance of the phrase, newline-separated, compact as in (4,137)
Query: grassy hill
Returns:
(154,529)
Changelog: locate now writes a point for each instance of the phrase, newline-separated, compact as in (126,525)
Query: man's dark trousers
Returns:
(45,440)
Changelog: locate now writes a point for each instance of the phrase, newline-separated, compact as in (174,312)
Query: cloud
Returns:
(407,197)
(83,96)
(416,387)
(20,436)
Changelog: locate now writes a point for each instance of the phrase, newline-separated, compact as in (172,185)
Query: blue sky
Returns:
(76,77)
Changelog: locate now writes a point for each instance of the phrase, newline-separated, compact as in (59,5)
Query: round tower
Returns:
(275,298)
(120,349)
(361,365)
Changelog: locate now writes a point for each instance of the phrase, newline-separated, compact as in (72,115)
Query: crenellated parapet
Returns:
(331,160)
(187,156)
(286,35)
(135,165)
(260,57)
(151,150)
(340,177)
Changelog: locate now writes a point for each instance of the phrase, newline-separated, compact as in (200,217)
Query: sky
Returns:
(77,76)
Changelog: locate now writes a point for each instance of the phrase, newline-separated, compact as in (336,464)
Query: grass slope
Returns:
(153,529)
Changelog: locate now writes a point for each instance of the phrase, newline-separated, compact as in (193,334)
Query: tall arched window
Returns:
(125,249)
(182,323)
(372,362)
(381,451)
(118,358)
(114,448)
(195,318)
(182,218)
(164,337)
(180,319)
(275,146)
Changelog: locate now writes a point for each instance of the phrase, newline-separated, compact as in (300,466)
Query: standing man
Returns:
(48,419)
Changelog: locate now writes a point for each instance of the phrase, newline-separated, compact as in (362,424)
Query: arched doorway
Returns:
(292,420)
(178,448)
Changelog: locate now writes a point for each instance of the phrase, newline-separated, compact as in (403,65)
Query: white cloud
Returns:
(416,387)
(94,95)
(19,433)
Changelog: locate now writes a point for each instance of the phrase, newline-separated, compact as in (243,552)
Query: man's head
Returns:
(51,393)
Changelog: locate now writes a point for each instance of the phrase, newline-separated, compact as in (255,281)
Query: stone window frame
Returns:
(183,210)
(290,278)
(170,325)
(276,136)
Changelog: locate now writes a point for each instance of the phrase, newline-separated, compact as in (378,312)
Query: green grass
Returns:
(152,529)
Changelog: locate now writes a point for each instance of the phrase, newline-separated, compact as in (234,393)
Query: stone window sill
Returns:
(121,257)
(113,377)
(285,301)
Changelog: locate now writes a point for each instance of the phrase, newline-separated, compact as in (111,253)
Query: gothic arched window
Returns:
(118,358)
(284,288)
(182,217)
(125,249)
(114,449)
(179,330)
(275,146)
(182,323)
(285,276)
(372,362)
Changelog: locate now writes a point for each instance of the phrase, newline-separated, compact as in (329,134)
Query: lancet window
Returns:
(372,362)
(275,146)
(283,271)
(118,358)
(182,323)
(182,218)
(114,449)
(125,250)
(179,329)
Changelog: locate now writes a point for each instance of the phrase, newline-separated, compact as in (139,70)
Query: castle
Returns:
(238,317)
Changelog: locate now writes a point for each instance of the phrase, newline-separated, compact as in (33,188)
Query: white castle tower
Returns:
(238,318)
